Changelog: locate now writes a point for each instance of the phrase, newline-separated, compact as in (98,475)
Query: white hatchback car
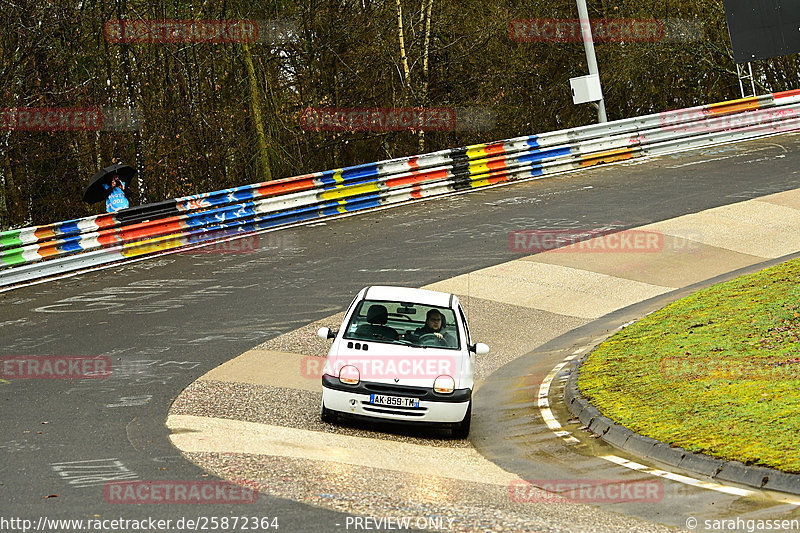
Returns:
(402,355)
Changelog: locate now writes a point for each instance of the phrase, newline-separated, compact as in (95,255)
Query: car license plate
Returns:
(393,401)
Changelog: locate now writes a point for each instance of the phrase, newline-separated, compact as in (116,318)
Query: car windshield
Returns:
(408,324)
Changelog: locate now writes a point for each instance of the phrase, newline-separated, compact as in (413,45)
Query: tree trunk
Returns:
(131,105)
(424,96)
(403,58)
(255,110)
(6,181)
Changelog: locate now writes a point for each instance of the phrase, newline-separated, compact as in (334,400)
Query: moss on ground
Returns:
(717,372)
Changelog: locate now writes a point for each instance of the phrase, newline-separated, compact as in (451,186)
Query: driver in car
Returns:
(434,325)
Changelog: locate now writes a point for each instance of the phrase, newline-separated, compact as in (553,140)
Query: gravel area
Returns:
(304,340)
(383,493)
(292,408)
(509,330)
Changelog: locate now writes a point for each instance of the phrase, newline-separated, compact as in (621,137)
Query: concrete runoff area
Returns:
(547,294)
(166,321)
(556,289)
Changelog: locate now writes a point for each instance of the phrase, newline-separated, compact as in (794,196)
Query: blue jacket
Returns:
(116,200)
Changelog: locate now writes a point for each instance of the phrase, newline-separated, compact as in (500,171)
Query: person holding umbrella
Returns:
(116,199)
(110,185)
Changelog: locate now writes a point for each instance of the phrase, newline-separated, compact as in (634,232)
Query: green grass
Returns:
(717,372)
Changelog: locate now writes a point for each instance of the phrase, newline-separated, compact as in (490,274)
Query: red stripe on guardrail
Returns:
(417,177)
(150,229)
(287,185)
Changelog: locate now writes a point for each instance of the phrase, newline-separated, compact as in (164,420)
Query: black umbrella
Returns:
(95,192)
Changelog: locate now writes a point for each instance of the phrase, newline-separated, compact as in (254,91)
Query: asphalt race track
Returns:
(165,321)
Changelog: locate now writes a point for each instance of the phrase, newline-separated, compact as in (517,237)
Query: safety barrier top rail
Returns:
(184,221)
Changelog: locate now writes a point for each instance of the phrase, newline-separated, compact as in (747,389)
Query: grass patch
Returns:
(717,372)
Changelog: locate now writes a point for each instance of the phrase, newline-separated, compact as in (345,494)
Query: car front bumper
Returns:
(433,407)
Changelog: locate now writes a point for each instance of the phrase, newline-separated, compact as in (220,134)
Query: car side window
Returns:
(464,321)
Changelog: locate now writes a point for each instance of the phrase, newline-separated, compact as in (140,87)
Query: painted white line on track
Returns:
(544,402)
(676,477)
(555,426)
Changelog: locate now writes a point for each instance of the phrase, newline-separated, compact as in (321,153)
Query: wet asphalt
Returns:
(165,321)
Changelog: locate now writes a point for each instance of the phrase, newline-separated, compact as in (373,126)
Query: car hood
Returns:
(401,365)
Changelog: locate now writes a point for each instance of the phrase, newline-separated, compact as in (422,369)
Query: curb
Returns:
(758,477)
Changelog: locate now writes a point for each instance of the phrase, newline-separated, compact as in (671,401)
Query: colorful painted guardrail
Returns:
(43,251)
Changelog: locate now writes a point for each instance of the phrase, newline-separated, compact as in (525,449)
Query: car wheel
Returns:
(327,415)
(461,429)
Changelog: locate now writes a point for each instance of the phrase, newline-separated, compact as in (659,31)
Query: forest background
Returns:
(212,115)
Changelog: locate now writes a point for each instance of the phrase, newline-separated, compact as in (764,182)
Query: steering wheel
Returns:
(428,337)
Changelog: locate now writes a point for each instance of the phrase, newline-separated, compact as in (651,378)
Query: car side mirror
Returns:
(326,333)
(479,348)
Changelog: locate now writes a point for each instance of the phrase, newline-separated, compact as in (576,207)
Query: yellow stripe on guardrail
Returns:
(353,190)
(158,244)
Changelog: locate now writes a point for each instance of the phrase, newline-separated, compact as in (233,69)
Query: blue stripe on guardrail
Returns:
(360,171)
(74,244)
(541,155)
(65,228)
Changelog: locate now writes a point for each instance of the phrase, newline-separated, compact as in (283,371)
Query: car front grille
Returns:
(404,411)
(400,390)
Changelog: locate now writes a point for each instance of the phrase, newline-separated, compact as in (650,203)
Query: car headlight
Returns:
(349,375)
(444,384)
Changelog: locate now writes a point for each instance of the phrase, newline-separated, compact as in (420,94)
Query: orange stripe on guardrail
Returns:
(417,178)
(287,185)
(785,94)
(45,232)
(734,106)
(494,178)
(146,229)
(104,221)
(495,149)
(108,237)
(48,250)
(497,164)
(607,157)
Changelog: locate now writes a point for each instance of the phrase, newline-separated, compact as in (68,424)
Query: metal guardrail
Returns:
(44,251)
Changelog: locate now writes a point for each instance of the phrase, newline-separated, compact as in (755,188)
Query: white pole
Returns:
(591,59)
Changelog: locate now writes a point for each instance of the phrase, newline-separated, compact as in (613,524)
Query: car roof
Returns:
(408,295)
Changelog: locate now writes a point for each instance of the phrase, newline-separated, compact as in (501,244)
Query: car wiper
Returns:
(407,342)
(414,344)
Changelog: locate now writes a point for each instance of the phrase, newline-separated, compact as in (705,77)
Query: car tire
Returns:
(461,429)
(327,416)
